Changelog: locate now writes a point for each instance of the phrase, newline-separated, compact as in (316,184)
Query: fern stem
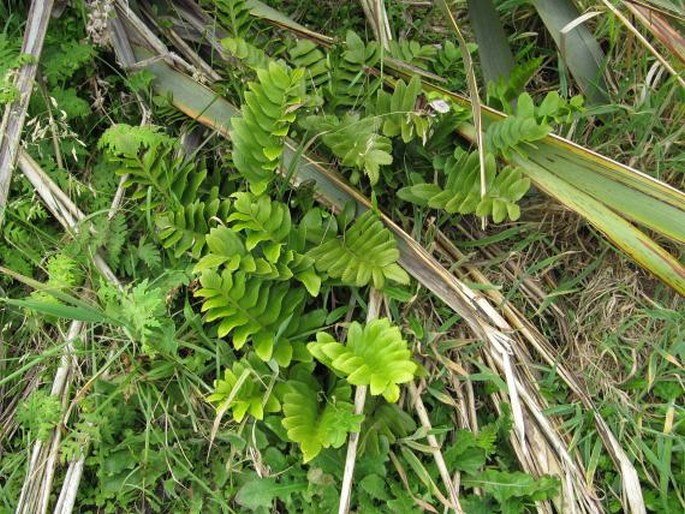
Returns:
(375,298)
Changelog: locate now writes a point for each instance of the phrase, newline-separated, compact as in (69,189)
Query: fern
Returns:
(243,391)
(355,141)
(142,309)
(147,156)
(63,274)
(449,63)
(313,420)
(502,93)
(349,79)
(529,123)
(233,15)
(306,54)
(461,193)
(184,229)
(375,355)
(250,308)
(367,253)
(249,54)
(267,114)
(413,52)
(262,220)
(384,421)
(399,111)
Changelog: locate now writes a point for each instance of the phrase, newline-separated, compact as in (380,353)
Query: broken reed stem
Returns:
(435,447)
(375,299)
(15,112)
(35,492)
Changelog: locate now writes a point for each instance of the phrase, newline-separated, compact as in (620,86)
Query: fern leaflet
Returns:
(461,193)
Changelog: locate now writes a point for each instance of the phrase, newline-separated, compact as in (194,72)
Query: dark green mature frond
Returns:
(461,193)
(349,83)
(249,54)
(148,157)
(412,52)
(528,123)
(250,309)
(366,254)
(398,111)
(375,355)
(356,141)
(306,54)
(185,228)
(267,114)
(233,15)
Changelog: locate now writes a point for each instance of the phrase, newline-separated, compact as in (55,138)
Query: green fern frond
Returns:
(509,134)
(233,15)
(365,254)
(126,141)
(262,220)
(375,355)
(249,54)
(412,52)
(307,55)
(243,391)
(185,229)
(355,141)
(461,193)
(250,308)
(384,421)
(267,114)
(349,80)
(312,420)
(398,111)
(147,156)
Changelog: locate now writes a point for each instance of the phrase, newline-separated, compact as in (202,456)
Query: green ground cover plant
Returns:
(334,256)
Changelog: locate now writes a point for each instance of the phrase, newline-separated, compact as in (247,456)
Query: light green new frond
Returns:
(185,228)
(243,391)
(267,114)
(366,254)
(375,355)
(126,141)
(315,421)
